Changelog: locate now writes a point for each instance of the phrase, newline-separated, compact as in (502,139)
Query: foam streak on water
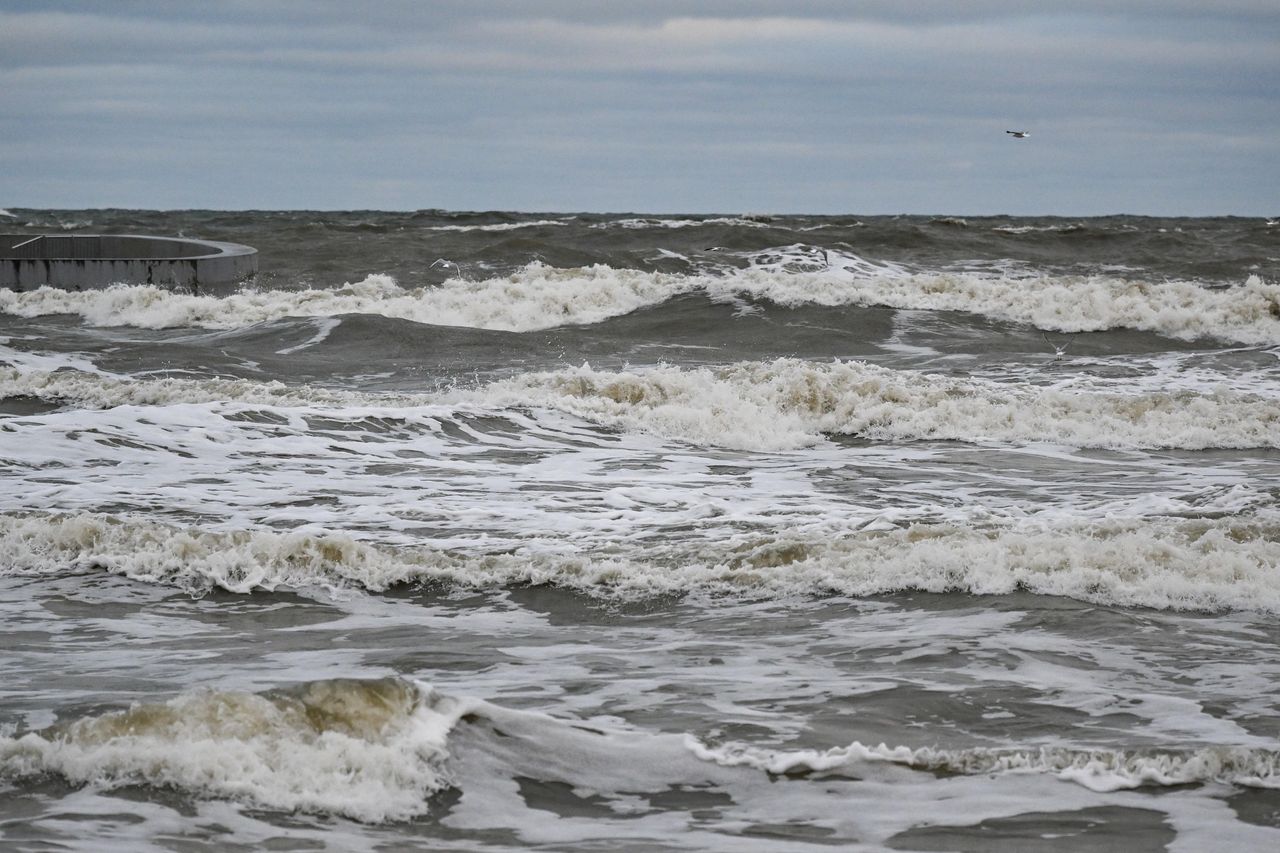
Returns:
(1163,564)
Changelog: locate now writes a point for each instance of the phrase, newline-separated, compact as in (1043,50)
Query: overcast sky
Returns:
(732,106)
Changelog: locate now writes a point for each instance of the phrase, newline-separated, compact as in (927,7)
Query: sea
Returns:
(486,531)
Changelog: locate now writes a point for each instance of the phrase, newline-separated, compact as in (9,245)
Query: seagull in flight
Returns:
(1018,134)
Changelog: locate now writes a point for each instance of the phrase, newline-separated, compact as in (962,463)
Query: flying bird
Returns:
(1018,134)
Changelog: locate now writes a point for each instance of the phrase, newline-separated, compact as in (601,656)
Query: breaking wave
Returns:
(789,403)
(1206,564)
(767,406)
(368,750)
(498,226)
(1068,228)
(641,222)
(538,297)
(541,297)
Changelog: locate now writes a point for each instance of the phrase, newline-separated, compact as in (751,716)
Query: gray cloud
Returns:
(807,106)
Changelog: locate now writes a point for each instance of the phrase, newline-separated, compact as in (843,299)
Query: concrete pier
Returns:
(90,261)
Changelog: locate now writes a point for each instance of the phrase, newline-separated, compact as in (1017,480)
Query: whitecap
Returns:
(636,223)
(498,226)
(1165,563)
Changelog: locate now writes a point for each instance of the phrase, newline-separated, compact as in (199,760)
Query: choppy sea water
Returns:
(483,531)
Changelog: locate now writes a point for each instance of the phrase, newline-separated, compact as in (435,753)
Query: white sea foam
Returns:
(1096,769)
(539,297)
(44,363)
(469,479)
(1168,563)
(1251,372)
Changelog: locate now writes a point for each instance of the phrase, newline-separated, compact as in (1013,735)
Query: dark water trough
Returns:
(87,261)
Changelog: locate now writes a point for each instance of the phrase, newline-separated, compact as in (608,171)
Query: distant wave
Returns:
(794,276)
(498,226)
(767,406)
(541,297)
(60,224)
(1068,228)
(1159,562)
(378,750)
(640,222)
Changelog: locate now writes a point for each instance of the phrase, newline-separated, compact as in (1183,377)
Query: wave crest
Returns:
(537,297)
(541,297)
(762,406)
(790,403)
(1168,563)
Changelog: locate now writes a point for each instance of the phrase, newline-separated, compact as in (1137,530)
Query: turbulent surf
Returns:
(487,531)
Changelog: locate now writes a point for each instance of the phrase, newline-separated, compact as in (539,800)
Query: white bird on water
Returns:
(1018,134)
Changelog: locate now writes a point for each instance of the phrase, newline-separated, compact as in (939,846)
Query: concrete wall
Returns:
(80,261)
